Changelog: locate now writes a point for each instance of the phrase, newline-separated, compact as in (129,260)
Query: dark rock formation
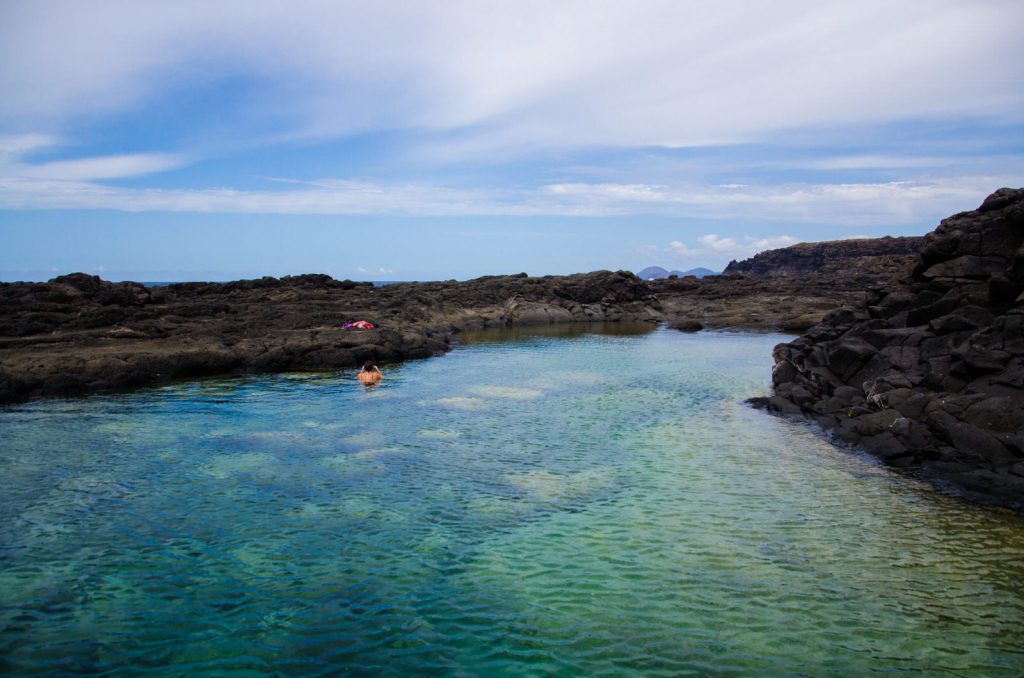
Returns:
(788,289)
(808,258)
(79,334)
(929,374)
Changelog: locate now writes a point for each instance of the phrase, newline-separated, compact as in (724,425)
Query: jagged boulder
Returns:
(930,374)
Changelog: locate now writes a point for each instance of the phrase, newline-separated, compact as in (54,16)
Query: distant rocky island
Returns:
(659,273)
(912,347)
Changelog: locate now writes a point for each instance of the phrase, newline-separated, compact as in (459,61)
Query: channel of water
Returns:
(569,501)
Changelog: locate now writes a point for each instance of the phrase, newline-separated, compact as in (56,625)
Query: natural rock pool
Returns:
(565,502)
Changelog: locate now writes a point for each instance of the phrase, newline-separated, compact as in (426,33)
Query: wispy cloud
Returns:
(17,145)
(381,270)
(520,74)
(105,167)
(842,204)
(16,149)
(877,161)
(713,247)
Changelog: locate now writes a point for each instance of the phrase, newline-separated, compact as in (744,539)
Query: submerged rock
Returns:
(929,373)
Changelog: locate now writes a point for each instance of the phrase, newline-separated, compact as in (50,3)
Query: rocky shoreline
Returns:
(788,289)
(922,363)
(929,374)
(78,334)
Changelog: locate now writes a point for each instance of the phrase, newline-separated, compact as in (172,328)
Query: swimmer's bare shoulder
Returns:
(370,374)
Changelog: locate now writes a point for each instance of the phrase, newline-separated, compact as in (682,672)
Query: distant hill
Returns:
(659,273)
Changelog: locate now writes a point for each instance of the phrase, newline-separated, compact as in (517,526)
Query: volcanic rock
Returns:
(929,374)
(788,289)
(804,259)
(79,334)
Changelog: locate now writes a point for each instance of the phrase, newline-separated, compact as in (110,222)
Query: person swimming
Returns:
(370,374)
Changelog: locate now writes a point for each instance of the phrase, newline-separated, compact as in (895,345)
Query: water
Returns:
(583,504)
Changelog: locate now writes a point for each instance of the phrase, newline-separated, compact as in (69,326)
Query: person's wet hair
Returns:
(368,366)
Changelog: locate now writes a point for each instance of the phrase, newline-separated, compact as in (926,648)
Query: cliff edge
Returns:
(929,375)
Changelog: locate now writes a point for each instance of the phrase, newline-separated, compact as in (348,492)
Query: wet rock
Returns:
(757,402)
(686,325)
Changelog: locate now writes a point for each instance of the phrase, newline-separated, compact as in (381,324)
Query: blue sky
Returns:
(436,140)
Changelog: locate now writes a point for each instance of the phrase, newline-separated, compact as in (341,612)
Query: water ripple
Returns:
(588,505)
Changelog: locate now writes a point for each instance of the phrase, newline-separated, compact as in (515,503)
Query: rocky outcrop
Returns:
(929,374)
(806,259)
(788,289)
(78,334)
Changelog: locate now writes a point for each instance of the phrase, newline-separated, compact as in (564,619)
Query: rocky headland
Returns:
(928,374)
(827,258)
(788,289)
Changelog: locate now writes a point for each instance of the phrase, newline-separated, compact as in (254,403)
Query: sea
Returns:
(575,500)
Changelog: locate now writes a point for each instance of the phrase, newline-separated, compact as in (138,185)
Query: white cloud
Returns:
(610,192)
(679,250)
(515,75)
(876,161)
(716,244)
(362,270)
(714,248)
(868,204)
(106,167)
(15,148)
(17,145)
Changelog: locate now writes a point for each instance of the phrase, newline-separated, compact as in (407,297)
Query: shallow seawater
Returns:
(572,503)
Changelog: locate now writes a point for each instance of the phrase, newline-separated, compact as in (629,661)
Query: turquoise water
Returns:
(574,504)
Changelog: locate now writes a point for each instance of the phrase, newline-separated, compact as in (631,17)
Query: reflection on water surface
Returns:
(525,504)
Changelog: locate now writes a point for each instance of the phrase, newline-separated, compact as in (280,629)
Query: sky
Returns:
(157,141)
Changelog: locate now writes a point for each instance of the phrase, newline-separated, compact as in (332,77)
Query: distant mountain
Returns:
(652,273)
(658,273)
